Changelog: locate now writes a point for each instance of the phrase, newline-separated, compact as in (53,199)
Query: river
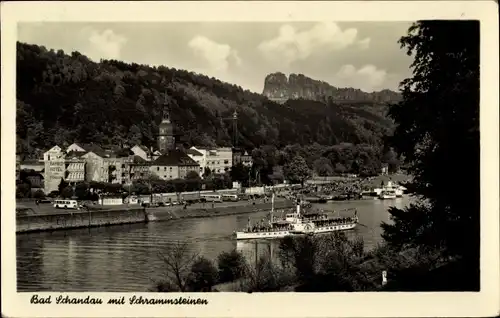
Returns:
(125,258)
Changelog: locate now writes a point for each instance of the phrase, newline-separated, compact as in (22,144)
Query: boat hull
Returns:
(334,228)
(261,235)
(387,197)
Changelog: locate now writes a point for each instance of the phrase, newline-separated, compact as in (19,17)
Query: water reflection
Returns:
(125,258)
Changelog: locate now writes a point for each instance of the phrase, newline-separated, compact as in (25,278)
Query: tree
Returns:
(178,260)
(438,134)
(82,191)
(339,168)
(134,135)
(67,192)
(203,275)
(39,194)
(297,170)
(231,266)
(62,185)
(23,190)
(323,167)
(192,175)
(239,173)
(207,173)
(392,160)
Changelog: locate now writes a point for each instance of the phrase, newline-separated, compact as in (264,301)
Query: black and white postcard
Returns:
(250,159)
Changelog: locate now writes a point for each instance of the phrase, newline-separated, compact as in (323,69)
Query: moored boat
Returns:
(397,190)
(387,194)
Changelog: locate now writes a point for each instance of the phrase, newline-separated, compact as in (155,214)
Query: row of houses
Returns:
(89,162)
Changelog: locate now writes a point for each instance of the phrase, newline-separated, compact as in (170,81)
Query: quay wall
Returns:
(77,219)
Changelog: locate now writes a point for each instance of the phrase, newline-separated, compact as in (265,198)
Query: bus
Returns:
(211,197)
(230,197)
(66,204)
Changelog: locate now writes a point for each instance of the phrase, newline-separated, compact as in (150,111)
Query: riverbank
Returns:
(64,220)
(342,187)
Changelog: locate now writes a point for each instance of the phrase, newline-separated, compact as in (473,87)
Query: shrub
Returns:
(231,266)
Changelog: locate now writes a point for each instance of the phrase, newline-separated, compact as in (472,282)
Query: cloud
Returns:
(367,78)
(364,44)
(291,45)
(217,55)
(104,44)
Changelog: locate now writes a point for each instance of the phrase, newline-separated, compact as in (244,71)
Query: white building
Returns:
(199,156)
(55,168)
(218,160)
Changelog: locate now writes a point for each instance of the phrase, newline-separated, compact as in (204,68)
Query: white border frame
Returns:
(484,303)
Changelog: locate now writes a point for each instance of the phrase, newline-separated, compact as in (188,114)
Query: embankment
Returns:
(78,219)
(48,222)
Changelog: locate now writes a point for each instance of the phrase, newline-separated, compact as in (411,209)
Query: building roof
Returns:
(193,152)
(92,148)
(75,154)
(146,150)
(203,147)
(175,158)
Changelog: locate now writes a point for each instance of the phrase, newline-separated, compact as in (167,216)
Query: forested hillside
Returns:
(65,98)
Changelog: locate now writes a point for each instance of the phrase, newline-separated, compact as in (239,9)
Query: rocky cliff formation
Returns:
(280,88)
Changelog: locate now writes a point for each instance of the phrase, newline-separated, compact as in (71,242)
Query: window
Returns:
(226,161)
(164,168)
(157,168)
(170,168)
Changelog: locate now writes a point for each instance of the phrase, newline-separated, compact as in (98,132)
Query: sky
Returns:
(362,55)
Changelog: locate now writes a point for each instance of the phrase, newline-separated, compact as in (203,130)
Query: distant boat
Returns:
(387,194)
(397,189)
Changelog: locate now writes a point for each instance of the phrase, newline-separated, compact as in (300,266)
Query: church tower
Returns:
(166,136)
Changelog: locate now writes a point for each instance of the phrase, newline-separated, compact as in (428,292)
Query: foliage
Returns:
(65,98)
(23,190)
(438,134)
(67,193)
(297,170)
(240,173)
(178,261)
(39,194)
(231,266)
(62,185)
(203,276)
(323,167)
(192,175)
(266,277)
(324,263)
